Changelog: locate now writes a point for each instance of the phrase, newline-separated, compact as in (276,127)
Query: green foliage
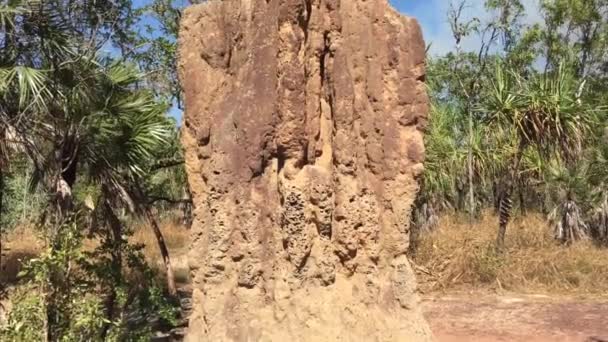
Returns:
(157,48)
(20,207)
(55,282)
(544,110)
(84,131)
(73,282)
(444,155)
(26,320)
(525,114)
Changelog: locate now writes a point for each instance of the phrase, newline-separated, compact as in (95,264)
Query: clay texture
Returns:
(302,137)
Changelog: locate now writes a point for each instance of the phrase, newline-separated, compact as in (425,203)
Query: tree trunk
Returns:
(162,246)
(64,205)
(160,240)
(470,171)
(522,199)
(503,220)
(506,203)
(303,168)
(187,208)
(415,226)
(461,194)
(115,235)
(496,196)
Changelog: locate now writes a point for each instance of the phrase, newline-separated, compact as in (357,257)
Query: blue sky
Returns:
(432,14)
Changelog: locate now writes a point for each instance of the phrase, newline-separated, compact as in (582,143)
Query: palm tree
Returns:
(135,122)
(77,117)
(22,92)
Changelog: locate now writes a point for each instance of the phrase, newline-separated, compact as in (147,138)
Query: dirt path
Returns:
(491,318)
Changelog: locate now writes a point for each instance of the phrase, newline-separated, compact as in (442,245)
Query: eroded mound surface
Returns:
(302,140)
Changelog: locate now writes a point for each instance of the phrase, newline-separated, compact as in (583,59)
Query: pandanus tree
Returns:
(443,158)
(545,114)
(438,183)
(569,186)
(598,177)
(599,222)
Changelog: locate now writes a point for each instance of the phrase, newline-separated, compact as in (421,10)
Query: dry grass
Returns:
(24,243)
(458,255)
(454,256)
(19,246)
(176,238)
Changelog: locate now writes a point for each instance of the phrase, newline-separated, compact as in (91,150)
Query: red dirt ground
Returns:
(517,318)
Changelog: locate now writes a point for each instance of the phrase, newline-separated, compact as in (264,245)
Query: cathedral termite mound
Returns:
(303,142)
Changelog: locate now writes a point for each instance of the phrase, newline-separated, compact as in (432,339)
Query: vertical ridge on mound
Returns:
(302,141)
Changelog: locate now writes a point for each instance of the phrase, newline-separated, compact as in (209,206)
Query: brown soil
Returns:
(530,318)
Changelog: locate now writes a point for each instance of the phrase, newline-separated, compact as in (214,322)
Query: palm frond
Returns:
(30,85)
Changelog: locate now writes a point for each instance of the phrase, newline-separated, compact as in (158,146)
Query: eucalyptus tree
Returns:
(156,47)
(576,31)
